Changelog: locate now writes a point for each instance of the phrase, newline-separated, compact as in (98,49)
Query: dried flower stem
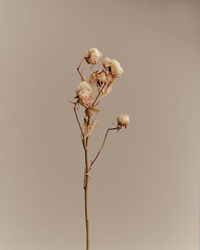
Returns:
(78,69)
(86,178)
(87,223)
(98,94)
(104,140)
(101,80)
(83,136)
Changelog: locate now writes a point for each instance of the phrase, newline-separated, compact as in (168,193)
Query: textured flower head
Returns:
(84,86)
(107,62)
(101,77)
(98,77)
(84,93)
(113,66)
(123,120)
(93,56)
(85,98)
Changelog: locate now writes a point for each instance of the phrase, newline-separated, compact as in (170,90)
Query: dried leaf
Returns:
(91,127)
(84,127)
(91,111)
(107,91)
(97,104)
(70,101)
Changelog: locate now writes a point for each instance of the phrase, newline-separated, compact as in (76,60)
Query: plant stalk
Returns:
(87,223)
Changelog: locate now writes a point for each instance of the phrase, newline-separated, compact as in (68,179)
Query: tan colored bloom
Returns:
(101,77)
(93,56)
(116,69)
(84,93)
(84,86)
(98,77)
(123,119)
(107,62)
(85,98)
(113,66)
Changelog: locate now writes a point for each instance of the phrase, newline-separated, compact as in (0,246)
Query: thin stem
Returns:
(104,140)
(86,178)
(91,67)
(86,202)
(78,69)
(83,136)
(99,94)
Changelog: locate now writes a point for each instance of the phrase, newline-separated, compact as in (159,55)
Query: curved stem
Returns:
(104,140)
(98,94)
(78,69)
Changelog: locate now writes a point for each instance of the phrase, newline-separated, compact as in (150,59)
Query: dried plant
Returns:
(89,93)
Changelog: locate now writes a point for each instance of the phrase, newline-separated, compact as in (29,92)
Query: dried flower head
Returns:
(98,78)
(107,62)
(123,120)
(84,93)
(116,69)
(93,56)
(113,66)
(83,86)
(101,77)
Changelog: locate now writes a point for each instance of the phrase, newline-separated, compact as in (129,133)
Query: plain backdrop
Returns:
(144,190)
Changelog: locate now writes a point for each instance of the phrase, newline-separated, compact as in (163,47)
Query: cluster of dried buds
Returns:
(99,83)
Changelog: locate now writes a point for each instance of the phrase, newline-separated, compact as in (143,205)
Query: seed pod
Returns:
(85,98)
(123,120)
(113,66)
(93,56)
(83,86)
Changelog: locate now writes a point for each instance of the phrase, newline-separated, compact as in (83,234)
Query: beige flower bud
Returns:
(123,119)
(85,98)
(113,66)
(84,86)
(107,62)
(93,56)
(116,69)
(101,77)
(84,92)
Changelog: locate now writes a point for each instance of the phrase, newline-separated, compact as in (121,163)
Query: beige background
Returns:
(144,190)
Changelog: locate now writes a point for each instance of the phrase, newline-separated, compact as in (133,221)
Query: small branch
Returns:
(84,180)
(76,115)
(87,138)
(98,94)
(78,69)
(91,67)
(92,162)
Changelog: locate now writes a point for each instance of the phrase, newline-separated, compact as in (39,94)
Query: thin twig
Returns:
(92,162)
(98,94)
(83,136)
(91,67)
(78,69)
(87,137)
(86,180)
